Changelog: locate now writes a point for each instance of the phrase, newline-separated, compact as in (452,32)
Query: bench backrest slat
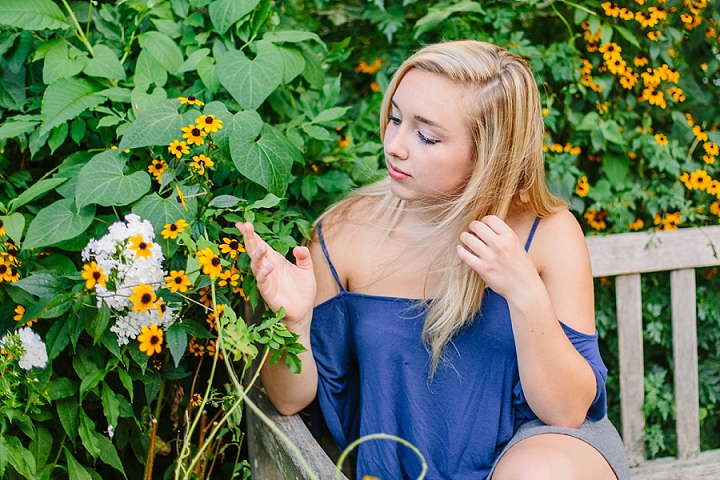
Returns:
(682,287)
(632,374)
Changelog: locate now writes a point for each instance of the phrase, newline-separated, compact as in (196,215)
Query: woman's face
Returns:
(428,147)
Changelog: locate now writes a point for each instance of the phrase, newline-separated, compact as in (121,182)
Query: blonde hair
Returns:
(503,112)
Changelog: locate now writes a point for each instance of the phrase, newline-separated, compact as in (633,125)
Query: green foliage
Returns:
(631,135)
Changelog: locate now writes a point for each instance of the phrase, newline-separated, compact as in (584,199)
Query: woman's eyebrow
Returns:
(422,119)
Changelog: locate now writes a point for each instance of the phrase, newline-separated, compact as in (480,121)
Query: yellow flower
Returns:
(610,50)
(711,149)
(654,36)
(582,188)
(715,208)
(140,246)
(690,120)
(557,148)
(143,298)
(699,180)
(596,219)
(640,61)
(93,274)
(628,79)
(20,313)
(195,399)
(2,228)
(646,20)
(180,197)
(150,339)
(709,159)
(611,9)
(178,148)
(231,247)
(161,308)
(210,263)
(156,168)
(676,94)
(363,67)
(343,141)
(171,230)
(626,14)
(713,187)
(190,100)
(636,225)
(199,163)
(374,86)
(194,135)
(228,278)
(616,65)
(209,123)
(195,349)
(214,315)
(177,281)
(661,139)
(700,133)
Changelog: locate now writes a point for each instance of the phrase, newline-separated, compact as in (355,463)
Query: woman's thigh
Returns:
(552,456)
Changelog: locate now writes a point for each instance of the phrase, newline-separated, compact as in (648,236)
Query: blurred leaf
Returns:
(105,64)
(35,191)
(266,162)
(177,341)
(158,126)
(13,225)
(163,49)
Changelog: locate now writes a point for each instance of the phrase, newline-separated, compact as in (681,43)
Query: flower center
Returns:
(146,298)
(208,120)
(191,98)
(154,340)
(178,280)
(173,227)
(3,268)
(142,246)
(234,245)
(96,275)
(195,132)
(215,262)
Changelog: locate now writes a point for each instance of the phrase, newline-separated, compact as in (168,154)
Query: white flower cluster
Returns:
(33,348)
(127,267)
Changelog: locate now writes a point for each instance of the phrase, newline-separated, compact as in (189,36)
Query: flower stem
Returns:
(78,31)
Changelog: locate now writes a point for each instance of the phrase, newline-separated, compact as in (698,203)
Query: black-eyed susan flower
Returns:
(93,274)
(214,315)
(178,148)
(709,159)
(143,298)
(343,141)
(171,230)
(228,278)
(210,263)
(661,139)
(711,149)
(700,134)
(209,123)
(195,399)
(640,61)
(628,79)
(194,135)
(611,9)
(140,246)
(677,94)
(200,163)
(195,348)
(231,247)
(177,281)
(363,67)
(610,50)
(161,308)
(211,348)
(2,228)
(713,187)
(654,35)
(190,100)
(156,168)
(180,199)
(150,340)
(699,180)
(582,188)
(20,314)
(715,208)
(626,14)
(14,274)
(5,272)
(596,219)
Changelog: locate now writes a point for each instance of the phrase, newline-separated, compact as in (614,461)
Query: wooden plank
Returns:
(630,343)
(641,252)
(286,460)
(682,287)
(705,466)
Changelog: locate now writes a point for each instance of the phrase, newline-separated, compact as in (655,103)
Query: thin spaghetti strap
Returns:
(532,234)
(327,256)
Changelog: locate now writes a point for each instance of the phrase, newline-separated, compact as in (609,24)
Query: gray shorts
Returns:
(601,435)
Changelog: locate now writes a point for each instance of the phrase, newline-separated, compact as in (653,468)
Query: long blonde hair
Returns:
(504,114)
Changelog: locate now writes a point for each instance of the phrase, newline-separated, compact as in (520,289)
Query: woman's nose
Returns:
(395,143)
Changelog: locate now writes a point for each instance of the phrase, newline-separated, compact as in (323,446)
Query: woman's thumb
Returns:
(302,258)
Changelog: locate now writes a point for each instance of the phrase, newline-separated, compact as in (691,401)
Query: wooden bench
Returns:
(625,256)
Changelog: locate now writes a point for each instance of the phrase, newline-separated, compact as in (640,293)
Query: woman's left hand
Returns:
(491,248)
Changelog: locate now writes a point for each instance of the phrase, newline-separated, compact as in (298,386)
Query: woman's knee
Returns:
(552,457)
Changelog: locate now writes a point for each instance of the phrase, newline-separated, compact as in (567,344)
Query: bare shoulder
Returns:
(343,231)
(561,256)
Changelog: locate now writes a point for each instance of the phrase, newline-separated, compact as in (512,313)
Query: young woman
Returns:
(450,304)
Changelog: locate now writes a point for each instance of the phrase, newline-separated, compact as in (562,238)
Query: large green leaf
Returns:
(250,82)
(224,13)
(176,338)
(32,15)
(57,222)
(158,126)
(12,128)
(161,211)
(266,162)
(436,15)
(293,63)
(59,63)
(247,122)
(76,470)
(102,181)
(163,49)
(194,60)
(13,224)
(148,70)
(104,64)
(66,98)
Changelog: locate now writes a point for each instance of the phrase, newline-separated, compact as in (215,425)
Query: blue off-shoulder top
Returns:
(373,377)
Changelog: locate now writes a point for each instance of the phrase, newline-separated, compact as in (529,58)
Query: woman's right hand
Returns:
(281,283)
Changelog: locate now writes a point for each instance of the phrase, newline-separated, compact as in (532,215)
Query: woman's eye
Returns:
(395,120)
(426,140)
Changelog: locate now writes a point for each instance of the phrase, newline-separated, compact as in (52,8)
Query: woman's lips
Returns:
(396,174)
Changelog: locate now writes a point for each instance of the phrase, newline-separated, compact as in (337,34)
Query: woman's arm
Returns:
(553,282)
(293,287)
